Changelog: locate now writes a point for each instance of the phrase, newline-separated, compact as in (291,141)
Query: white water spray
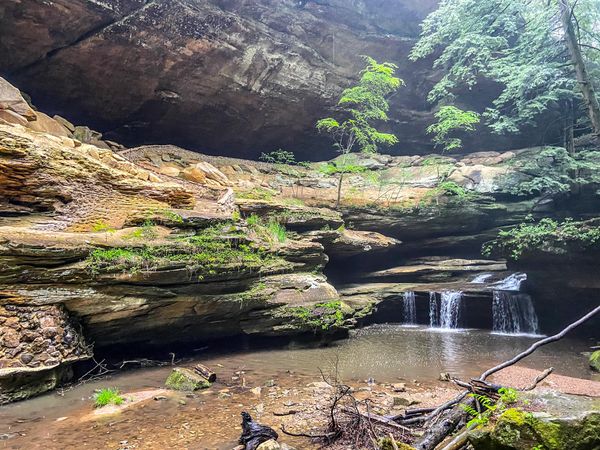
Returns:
(409,308)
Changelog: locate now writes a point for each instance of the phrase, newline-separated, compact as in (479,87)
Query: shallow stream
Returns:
(385,353)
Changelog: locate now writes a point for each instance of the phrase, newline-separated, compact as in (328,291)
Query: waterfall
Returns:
(434,314)
(513,312)
(481,278)
(511,283)
(410,310)
(451,302)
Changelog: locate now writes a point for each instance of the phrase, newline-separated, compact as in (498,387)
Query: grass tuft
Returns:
(107,396)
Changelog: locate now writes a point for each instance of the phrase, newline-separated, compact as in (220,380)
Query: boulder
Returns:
(11,99)
(517,430)
(12,117)
(86,135)
(182,379)
(194,174)
(64,122)
(47,124)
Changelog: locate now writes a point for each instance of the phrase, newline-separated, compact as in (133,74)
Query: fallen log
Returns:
(436,432)
(205,372)
(376,418)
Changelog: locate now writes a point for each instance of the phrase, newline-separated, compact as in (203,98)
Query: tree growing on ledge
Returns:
(360,108)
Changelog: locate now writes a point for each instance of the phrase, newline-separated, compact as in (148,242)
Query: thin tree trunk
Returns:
(339,192)
(569,122)
(587,89)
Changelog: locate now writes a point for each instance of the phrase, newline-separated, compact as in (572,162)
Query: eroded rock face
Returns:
(235,77)
(37,345)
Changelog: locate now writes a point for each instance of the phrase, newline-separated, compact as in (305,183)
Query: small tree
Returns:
(361,106)
(451,119)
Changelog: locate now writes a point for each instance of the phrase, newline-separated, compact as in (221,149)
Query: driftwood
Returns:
(542,376)
(437,430)
(205,372)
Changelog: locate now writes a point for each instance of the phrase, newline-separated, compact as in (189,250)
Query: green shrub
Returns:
(253,220)
(107,396)
(546,235)
(277,231)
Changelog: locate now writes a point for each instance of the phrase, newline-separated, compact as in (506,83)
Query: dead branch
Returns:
(377,418)
(539,379)
(539,344)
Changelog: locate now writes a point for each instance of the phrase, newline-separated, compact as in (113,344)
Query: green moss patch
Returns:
(182,379)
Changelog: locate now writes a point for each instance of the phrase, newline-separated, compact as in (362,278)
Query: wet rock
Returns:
(182,379)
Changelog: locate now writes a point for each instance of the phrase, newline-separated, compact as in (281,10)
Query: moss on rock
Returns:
(518,430)
(182,379)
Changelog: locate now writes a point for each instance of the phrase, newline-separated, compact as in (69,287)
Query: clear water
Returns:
(385,353)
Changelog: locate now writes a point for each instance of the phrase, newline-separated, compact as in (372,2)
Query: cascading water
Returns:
(511,283)
(450,309)
(512,311)
(434,312)
(481,278)
(409,308)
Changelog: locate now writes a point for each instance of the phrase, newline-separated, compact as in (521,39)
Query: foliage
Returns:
(512,43)
(551,171)
(146,231)
(322,316)
(257,194)
(107,396)
(481,418)
(279,157)
(330,168)
(546,235)
(236,216)
(217,247)
(102,227)
(252,220)
(271,231)
(360,106)
(451,119)
(169,216)
(508,395)
(277,231)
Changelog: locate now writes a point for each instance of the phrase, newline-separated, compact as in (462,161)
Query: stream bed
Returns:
(210,419)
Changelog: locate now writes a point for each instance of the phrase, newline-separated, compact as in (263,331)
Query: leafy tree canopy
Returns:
(450,120)
(518,44)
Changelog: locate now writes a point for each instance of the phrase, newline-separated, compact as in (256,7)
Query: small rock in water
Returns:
(160,397)
(445,376)
(399,387)
(371,381)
